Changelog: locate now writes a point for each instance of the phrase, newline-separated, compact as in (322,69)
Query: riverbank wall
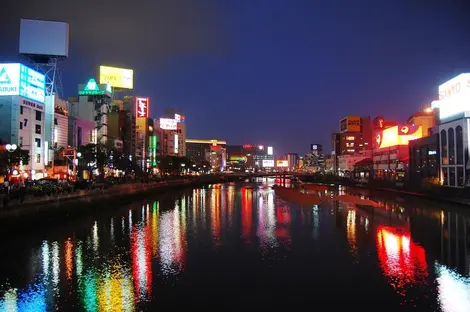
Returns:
(458,196)
(49,210)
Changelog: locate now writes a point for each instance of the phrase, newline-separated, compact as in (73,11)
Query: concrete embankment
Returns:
(63,208)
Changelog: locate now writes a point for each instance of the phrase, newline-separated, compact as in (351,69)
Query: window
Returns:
(21,141)
(38,129)
(451,147)
(79,136)
(460,180)
(38,142)
(21,110)
(38,158)
(444,177)
(21,125)
(452,176)
(459,145)
(55,122)
(38,115)
(444,147)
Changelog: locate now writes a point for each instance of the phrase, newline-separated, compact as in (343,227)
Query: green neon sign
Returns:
(93,88)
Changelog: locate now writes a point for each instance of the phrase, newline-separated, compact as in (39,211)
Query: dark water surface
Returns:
(239,246)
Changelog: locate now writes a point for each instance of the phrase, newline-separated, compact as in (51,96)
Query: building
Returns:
(120,128)
(92,105)
(424,159)
(346,164)
(354,137)
(292,160)
(80,131)
(179,116)
(171,136)
(211,151)
(61,124)
(22,115)
(235,158)
(391,153)
(453,110)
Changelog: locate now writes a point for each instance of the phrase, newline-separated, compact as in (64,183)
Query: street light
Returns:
(11,147)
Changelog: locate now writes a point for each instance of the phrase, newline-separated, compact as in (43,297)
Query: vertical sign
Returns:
(176,143)
(142,107)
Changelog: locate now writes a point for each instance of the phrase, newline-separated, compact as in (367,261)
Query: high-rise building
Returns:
(292,159)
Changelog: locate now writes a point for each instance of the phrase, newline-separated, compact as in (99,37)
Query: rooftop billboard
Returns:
(18,79)
(397,135)
(120,78)
(350,124)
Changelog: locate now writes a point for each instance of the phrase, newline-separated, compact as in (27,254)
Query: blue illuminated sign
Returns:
(32,84)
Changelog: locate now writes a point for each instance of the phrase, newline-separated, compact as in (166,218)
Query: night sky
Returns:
(276,72)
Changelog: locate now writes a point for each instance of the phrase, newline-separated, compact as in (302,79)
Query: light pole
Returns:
(10,148)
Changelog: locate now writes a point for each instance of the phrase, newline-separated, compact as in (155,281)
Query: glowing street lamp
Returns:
(11,147)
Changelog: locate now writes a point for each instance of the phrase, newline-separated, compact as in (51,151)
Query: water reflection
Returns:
(124,262)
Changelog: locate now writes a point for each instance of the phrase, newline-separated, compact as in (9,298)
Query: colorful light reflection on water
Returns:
(132,260)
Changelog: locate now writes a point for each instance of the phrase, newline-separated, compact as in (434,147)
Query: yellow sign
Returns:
(117,77)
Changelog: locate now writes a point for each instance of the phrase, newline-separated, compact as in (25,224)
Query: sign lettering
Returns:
(142,107)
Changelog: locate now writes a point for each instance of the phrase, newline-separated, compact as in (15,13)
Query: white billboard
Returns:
(9,79)
(270,150)
(453,97)
(168,124)
(39,37)
(268,163)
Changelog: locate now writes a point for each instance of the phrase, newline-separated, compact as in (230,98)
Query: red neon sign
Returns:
(142,107)
(248,146)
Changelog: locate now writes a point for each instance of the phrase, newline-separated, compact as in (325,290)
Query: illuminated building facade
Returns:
(391,152)
(453,110)
(355,135)
(22,115)
(424,159)
(211,151)
(292,160)
(235,157)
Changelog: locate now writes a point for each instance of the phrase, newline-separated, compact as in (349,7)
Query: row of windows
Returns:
(452,146)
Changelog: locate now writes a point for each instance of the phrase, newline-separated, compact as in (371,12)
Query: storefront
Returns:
(454,113)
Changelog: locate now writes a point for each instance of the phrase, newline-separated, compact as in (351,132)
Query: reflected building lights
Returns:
(68,259)
(316,221)
(154,227)
(453,290)
(351,232)
(402,261)
(215,215)
(95,238)
(141,262)
(247,214)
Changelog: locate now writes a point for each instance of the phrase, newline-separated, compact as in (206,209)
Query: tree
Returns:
(93,156)
(14,158)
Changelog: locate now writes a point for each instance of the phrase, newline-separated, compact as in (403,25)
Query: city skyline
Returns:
(238,59)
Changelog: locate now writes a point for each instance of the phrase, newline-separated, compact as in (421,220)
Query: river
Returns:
(240,246)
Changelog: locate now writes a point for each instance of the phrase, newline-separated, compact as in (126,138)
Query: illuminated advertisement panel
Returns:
(454,96)
(17,79)
(397,135)
(350,124)
(282,163)
(32,84)
(168,124)
(270,150)
(248,146)
(176,143)
(117,77)
(142,107)
(268,163)
(178,117)
(93,88)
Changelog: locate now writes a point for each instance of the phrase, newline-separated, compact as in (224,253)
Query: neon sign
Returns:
(396,135)
(248,146)
(142,107)
(93,88)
